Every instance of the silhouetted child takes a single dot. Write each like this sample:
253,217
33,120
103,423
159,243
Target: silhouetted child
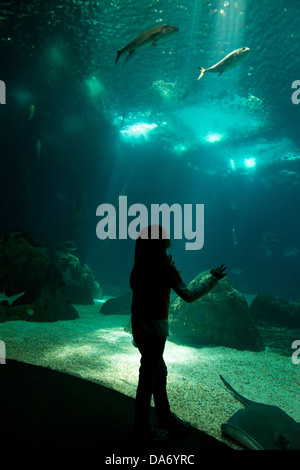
152,278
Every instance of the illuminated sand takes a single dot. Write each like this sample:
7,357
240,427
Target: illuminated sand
95,347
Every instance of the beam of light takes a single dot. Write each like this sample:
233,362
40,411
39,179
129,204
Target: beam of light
140,129
94,86
250,162
179,148
228,34
231,19
213,137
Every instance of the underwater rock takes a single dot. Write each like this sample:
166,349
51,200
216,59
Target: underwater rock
26,267
278,339
81,285
275,310
118,306
220,318
68,246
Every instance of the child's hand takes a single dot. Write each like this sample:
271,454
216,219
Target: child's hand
170,259
219,272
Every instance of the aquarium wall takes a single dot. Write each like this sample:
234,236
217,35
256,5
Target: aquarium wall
79,130
110,122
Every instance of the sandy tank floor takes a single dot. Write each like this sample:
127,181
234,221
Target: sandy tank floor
96,347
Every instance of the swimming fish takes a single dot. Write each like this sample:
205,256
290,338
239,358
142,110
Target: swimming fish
230,61
260,426
236,270
150,37
292,251
38,146
31,112
10,299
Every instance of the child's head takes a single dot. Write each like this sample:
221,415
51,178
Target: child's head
151,244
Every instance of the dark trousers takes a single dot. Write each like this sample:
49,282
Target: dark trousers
152,379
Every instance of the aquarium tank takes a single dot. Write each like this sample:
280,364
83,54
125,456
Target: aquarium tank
119,114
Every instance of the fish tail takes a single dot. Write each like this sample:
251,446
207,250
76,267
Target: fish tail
119,53
240,397
202,70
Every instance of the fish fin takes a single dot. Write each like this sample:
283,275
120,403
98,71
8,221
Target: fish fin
202,70
156,36
220,73
119,53
130,54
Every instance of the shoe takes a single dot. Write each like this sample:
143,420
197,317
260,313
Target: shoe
151,434
158,434
176,425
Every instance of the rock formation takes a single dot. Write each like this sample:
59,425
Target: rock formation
26,268
222,318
